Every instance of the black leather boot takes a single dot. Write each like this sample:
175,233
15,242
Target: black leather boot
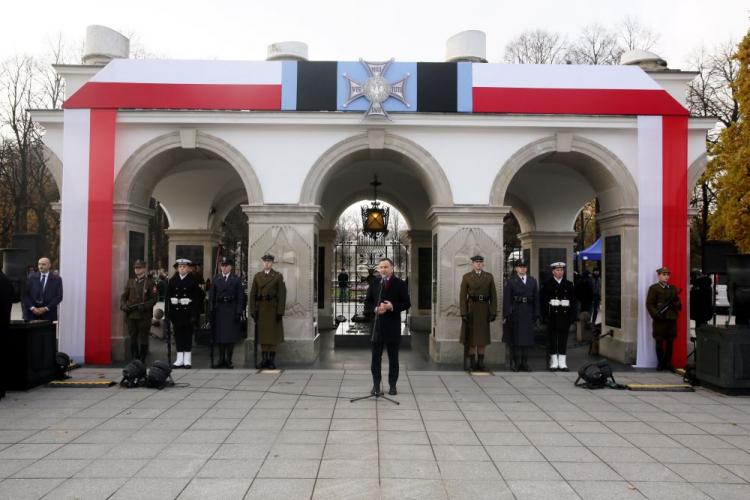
143,354
473,358
264,361
272,360
467,363
480,363
230,352
524,361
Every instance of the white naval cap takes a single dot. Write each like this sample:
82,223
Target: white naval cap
557,264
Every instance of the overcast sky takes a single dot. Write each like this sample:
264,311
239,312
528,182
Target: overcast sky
413,30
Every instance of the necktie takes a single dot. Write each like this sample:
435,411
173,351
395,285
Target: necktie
387,283
44,282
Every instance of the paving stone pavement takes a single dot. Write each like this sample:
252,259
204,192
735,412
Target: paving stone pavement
233,434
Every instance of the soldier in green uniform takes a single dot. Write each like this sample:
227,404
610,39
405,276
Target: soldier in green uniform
663,305
267,305
478,302
137,302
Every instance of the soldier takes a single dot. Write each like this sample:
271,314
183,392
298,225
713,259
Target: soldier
267,305
137,302
663,304
557,299
478,301
184,297
520,312
227,304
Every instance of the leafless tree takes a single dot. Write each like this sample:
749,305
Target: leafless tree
635,36
536,47
595,45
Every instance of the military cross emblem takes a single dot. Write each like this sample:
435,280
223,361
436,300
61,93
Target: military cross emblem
376,88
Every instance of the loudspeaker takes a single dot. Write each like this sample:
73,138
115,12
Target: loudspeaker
715,256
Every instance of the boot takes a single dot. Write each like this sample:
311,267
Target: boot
230,351
143,353
473,362
524,361
467,362
563,364
553,362
180,361
514,363
264,361
480,363
272,360
221,361
188,356
134,351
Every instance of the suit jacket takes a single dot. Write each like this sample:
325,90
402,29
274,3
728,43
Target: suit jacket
49,298
388,325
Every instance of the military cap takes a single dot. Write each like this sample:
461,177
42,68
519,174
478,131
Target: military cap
139,263
663,270
477,258
555,265
268,256
519,263
187,262
226,261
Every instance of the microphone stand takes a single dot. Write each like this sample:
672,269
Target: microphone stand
375,339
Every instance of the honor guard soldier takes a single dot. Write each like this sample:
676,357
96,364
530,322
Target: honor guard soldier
227,304
267,305
558,305
520,314
184,297
137,302
663,304
478,301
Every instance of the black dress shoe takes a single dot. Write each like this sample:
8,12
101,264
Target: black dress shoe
376,391
229,365
392,391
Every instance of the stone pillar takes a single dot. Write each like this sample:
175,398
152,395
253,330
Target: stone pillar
126,217
419,319
287,232
463,231
621,344
538,241
326,239
199,237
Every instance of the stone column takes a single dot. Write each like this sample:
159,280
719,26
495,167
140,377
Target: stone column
621,344
126,217
538,240
419,319
200,237
326,238
463,231
287,232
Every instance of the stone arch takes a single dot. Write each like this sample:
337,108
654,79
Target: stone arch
695,171
626,194
428,169
133,170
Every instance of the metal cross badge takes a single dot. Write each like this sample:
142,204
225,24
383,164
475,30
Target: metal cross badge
376,88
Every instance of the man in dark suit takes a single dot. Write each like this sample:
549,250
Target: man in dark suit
387,297
44,292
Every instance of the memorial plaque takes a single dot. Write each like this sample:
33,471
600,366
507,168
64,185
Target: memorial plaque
612,282
546,257
424,286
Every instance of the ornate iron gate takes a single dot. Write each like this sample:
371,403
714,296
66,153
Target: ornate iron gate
355,267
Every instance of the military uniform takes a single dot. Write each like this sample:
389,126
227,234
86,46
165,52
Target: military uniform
477,299
182,303
557,302
267,306
663,305
227,305
137,302
520,312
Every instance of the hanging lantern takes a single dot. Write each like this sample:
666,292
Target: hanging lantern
375,217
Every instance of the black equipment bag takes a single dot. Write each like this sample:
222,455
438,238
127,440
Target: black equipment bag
596,375
62,363
159,375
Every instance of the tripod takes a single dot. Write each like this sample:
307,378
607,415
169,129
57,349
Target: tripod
375,339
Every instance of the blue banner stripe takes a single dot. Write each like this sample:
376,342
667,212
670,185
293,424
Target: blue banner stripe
463,87
289,86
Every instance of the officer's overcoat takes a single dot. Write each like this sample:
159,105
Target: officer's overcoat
477,298
267,303
520,310
226,299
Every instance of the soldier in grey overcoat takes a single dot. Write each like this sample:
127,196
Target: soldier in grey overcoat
267,305
226,300
477,299
520,314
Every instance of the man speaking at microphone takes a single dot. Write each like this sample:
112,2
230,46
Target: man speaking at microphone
386,297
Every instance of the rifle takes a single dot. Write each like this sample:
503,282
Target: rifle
668,304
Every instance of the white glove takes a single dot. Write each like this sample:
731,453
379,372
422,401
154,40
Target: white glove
185,301
565,302
554,302
174,300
